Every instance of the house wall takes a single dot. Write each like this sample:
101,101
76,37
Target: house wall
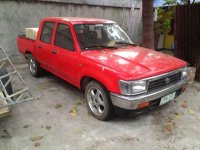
15,16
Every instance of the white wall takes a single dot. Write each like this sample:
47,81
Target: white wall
15,16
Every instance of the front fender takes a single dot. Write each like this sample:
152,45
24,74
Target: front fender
103,75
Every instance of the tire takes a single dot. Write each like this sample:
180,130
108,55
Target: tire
3,72
34,66
98,101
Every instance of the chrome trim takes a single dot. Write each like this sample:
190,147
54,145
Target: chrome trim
147,85
131,102
153,78
164,75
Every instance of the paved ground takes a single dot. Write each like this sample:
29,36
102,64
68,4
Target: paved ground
51,122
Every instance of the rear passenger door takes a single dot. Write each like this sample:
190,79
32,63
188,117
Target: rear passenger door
44,46
66,64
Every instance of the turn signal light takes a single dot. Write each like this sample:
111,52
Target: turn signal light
142,105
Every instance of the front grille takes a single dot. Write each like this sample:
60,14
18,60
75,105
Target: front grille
164,81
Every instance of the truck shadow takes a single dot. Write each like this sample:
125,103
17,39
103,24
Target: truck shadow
62,84
124,115
120,115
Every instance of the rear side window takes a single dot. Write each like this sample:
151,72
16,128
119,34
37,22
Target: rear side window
47,31
63,37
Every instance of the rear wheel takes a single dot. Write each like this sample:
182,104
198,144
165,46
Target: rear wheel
98,101
34,66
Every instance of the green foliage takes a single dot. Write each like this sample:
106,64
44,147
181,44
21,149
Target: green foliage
163,23
178,2
170,2
185,1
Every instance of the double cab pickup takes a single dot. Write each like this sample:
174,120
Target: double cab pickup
98,57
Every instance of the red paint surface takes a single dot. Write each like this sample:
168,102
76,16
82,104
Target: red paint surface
107,66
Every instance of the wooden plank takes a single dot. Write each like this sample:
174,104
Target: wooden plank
3,110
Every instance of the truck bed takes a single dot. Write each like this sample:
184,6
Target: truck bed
25,44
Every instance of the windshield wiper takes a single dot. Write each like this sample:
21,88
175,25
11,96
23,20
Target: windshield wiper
126,43
99,46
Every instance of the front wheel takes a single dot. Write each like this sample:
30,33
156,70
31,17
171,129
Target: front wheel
98,101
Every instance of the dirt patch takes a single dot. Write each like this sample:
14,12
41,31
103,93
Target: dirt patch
37,144
74,111
48,127
119,139
36,138
184,105
26,126
57,106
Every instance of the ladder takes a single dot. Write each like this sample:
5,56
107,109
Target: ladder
20,93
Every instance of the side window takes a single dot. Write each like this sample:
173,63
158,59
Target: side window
47,31
63,37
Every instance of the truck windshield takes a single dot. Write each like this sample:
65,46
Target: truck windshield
97,36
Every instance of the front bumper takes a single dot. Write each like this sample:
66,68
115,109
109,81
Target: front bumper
131,102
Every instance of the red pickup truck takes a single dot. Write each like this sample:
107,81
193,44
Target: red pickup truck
99,58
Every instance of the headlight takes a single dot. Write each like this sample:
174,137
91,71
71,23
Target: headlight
184,72
132,87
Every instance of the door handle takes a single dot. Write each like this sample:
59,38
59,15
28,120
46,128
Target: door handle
54,51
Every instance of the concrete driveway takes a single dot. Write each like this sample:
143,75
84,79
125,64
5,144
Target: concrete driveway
58,120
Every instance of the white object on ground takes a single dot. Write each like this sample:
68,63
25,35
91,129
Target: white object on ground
161,41
192,73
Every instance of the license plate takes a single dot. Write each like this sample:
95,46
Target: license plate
167,98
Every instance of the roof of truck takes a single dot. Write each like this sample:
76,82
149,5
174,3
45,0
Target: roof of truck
78,20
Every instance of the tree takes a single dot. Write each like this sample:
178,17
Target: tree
187,1
170,2
148,24
178,2
163,23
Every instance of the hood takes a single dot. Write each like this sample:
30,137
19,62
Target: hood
135,62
